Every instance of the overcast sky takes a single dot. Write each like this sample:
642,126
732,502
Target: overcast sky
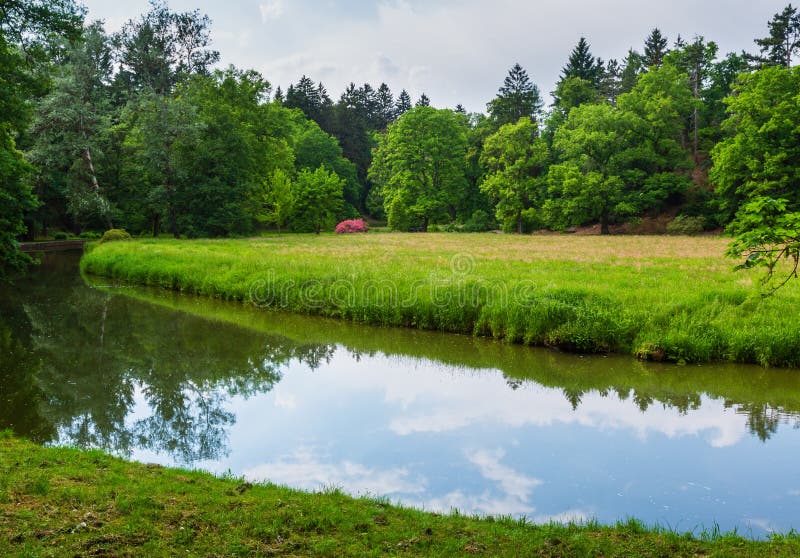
456,51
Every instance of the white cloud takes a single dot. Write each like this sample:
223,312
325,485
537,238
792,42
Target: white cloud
307,470
513,483
271,9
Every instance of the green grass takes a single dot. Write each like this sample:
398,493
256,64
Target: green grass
65,502
660,298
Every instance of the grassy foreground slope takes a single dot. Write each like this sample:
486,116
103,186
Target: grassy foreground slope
65,502
662,298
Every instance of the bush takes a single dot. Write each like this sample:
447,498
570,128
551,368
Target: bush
61,236
480,221
686,225
89,235
114,235
352,226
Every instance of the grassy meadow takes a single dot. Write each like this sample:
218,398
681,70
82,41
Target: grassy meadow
66,502
658,297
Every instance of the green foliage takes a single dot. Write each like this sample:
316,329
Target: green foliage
686,225
318,200
274,199
515,158
420,167
314,148
756,169
71,129
16,199
24,29
594,145
115,235
479,221
768,236
574,91
60,236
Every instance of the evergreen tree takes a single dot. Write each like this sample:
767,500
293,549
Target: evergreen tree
517,97
632,68
278,98
403,104
304,95
611,84
423,101
583,65
783,42
385,102
655,49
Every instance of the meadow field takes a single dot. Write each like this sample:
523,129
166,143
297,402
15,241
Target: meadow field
660,298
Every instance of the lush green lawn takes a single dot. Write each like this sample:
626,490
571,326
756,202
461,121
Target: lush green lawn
64,502
663,298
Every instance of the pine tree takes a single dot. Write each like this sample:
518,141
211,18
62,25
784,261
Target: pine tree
517,97
655,49
611,85
632,68
423,101
582,64
783,42
403,104
385,101
278,98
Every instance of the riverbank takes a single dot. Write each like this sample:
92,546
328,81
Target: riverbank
660,298
66,502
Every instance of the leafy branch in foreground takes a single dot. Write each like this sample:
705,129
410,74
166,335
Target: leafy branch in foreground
769,235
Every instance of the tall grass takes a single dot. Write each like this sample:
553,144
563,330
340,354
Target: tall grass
661,298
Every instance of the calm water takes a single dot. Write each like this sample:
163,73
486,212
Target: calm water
435,421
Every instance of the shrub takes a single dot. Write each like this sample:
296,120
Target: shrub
89,235
60,236
352,226
686,225
115,235
480,221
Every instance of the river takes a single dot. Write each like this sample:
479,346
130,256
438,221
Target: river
429,420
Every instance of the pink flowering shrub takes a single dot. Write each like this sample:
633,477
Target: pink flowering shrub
352,226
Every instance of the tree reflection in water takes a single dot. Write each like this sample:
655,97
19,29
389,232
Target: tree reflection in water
74,360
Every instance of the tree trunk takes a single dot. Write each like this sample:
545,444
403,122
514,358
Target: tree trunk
278,224
156,225
425,225
604,224
87,156
519,222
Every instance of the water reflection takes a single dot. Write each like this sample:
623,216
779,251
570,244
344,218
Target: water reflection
436,421
73,358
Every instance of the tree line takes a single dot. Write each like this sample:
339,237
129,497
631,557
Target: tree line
139,129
